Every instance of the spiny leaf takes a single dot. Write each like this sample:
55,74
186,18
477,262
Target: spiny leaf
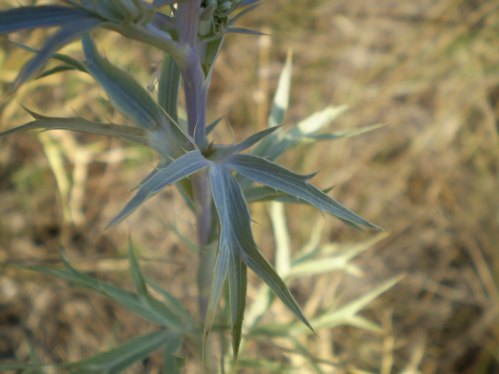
178,169
29,17
221,152
66,59
217,283
212,126
63,36
270,174
128,133
123,356
153,311
135,102
241,30
236,233
123,90
255,193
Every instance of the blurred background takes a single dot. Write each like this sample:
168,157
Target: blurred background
428,70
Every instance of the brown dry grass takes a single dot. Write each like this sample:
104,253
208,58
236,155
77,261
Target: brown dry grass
427,69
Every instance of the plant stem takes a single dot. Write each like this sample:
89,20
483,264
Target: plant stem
187,22
204,225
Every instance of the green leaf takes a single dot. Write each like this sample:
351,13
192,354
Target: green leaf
178,169
55,70
237,297
123,356
28,17
67,60
171,363
241,30
123,90
60,38
222,151
128,133
138,279
168,87
270,174
217,284
212,126
172,303
25,368
152,311
236,235
255,193
136,103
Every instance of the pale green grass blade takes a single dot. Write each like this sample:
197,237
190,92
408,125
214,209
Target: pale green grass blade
330,257
347,315
178,169
275,176
282,238
123,356
131,134
59,39
364,324
281,98
343,133
276,145
168,87
237,298
235,224
154,312
217,284
28,17
278,109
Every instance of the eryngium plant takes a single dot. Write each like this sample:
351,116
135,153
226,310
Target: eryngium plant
216,180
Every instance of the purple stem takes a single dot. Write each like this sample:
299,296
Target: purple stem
187,22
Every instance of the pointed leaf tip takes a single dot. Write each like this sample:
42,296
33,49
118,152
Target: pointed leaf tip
180,168
237,237
263,171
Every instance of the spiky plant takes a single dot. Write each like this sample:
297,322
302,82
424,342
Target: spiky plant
216,180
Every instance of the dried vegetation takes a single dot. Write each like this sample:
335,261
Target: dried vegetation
429,70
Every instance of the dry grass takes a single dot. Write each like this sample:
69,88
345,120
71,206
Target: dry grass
427,69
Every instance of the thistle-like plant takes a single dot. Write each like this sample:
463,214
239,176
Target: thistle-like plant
216,180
